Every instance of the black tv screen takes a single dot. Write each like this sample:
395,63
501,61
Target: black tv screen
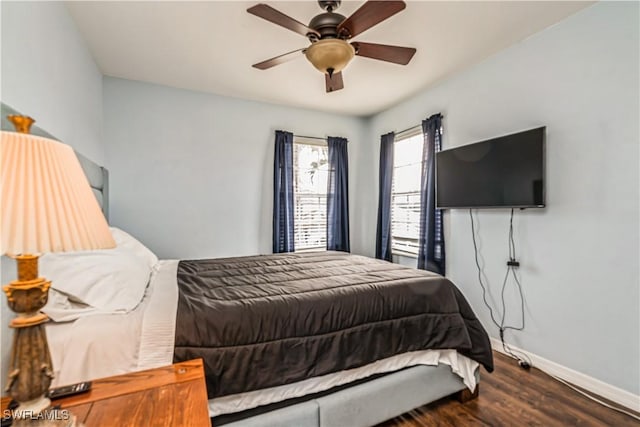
504,172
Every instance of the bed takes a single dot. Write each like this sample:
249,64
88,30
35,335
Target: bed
149,336
375,354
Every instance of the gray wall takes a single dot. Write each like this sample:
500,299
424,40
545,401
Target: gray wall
192,173
579,255
49,74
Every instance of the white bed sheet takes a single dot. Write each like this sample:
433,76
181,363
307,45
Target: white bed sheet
104,345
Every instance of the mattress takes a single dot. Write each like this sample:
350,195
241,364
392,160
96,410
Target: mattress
104,345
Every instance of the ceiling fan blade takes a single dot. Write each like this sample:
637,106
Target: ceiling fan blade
334,82
272,15
277,60
371,13
396,54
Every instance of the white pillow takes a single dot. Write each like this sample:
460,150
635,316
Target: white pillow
60,309
100,281
126,241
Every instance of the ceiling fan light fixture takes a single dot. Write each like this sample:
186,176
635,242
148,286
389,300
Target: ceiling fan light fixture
330,54
329,32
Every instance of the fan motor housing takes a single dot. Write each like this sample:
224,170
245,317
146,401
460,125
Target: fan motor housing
327,24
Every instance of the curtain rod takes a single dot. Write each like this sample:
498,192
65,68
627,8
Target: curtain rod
313,137
415,126
406,130
310,137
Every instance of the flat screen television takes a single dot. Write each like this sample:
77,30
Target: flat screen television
503,172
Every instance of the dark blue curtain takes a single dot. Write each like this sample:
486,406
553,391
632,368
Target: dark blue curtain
283,193
383,232
431,252
338,196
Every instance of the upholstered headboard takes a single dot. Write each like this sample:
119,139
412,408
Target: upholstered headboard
97,175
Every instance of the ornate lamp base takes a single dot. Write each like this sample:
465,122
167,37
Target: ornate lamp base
30,370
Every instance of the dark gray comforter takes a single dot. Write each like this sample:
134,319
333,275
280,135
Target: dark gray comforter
270,320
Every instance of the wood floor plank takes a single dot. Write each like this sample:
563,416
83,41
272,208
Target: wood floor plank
553,395
511,396
553,398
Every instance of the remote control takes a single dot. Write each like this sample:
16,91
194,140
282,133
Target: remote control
69,390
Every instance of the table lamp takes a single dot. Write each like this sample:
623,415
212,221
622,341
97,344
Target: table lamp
47,205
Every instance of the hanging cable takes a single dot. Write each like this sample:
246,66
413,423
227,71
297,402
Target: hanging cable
523,359
484,290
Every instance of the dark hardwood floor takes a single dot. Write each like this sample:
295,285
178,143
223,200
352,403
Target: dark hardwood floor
511,396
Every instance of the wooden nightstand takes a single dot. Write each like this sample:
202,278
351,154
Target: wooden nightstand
173,395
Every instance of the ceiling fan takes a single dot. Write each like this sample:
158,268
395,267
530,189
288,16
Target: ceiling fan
329,33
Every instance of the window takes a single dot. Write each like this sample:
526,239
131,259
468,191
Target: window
405,192
310,174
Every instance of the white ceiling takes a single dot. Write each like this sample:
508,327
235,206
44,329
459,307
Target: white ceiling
210,46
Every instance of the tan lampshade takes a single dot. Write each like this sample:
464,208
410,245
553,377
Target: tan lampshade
47,204
332,54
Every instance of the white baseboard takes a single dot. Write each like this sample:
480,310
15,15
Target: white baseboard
615,394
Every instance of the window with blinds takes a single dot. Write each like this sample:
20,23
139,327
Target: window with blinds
405,192
310,174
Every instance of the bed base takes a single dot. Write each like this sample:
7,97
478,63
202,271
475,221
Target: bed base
365,404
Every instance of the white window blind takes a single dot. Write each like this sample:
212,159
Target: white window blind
310,174
405,193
